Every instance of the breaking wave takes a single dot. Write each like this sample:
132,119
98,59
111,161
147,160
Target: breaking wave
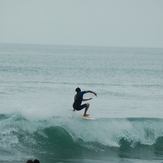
64,137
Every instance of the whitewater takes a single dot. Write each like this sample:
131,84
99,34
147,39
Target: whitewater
37,88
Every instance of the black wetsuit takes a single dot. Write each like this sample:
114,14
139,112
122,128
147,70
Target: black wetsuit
78,100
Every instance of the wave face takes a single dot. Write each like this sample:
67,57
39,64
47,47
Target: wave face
73,137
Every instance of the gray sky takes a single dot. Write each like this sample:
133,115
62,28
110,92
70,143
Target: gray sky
129,23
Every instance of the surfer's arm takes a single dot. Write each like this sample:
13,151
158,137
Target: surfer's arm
87,99
91,92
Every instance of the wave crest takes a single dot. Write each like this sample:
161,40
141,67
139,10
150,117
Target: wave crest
67,136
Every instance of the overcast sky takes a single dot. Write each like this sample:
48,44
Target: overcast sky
129,23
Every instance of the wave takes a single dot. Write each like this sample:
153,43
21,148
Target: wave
70,136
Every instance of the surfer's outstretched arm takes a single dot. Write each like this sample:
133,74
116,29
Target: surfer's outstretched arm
87,99
91,92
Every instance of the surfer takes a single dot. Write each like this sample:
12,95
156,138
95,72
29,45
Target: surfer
78,100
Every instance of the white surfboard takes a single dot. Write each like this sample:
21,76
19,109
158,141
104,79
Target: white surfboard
88,118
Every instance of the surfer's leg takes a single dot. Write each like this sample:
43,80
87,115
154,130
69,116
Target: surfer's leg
86,109
86,106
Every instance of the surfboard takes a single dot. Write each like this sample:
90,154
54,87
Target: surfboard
87,118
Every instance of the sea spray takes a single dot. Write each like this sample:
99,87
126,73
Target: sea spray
59,135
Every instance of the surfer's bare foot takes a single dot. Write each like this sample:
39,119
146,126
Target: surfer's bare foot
85,115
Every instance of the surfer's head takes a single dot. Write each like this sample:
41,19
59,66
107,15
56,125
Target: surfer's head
78,90
36,161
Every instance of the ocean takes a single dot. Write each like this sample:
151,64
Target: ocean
37,88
